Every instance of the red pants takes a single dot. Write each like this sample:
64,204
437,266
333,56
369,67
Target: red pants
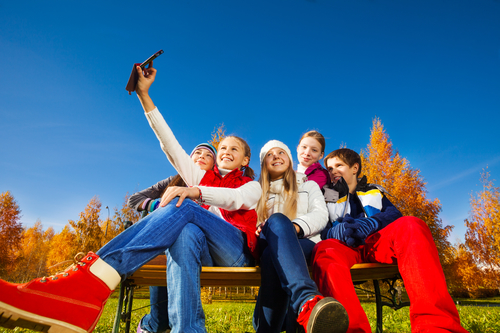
407,242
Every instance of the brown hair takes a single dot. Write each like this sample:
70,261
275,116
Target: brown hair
315,135
348,156
247,171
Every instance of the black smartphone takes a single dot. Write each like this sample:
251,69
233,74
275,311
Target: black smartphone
132,81
154,56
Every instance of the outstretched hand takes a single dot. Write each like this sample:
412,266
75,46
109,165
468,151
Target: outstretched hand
146,78
181,192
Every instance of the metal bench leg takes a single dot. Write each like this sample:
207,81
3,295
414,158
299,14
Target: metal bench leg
128,314
124,307
118,317
378,302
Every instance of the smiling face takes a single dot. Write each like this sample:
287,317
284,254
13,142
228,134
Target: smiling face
203,158
309,151
338,168
277,162
231,154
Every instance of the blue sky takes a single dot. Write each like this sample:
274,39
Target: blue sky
430,70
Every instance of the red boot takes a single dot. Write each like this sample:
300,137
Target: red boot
323,315
71,301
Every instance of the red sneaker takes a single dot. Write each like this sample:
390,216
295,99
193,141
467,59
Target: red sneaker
71,301
323,315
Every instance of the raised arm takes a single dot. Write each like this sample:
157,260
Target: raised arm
180,160
145,81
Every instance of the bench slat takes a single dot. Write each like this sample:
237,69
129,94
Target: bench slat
153,274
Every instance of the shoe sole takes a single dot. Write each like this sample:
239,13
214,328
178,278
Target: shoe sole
328,316
11,317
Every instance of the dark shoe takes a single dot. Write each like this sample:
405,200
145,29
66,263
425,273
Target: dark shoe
323,315
142,330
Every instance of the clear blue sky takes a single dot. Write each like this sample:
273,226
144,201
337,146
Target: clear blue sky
273,69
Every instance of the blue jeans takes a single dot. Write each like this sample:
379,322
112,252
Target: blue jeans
285,281
158,231
184,260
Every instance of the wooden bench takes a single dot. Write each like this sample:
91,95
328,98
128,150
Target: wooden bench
153,274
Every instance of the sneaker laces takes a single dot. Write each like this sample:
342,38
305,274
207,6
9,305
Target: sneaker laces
74,267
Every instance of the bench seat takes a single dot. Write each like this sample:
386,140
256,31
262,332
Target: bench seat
153,274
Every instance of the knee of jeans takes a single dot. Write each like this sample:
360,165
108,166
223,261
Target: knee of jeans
191,234
278,221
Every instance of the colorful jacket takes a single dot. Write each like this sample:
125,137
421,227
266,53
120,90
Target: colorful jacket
368,201
317,173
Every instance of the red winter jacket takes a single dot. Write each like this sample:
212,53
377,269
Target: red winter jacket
243,219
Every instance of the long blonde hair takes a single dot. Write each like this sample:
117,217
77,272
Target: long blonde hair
290,193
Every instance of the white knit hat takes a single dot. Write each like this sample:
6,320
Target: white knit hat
274,144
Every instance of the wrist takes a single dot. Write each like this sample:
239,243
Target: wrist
198,195
146,101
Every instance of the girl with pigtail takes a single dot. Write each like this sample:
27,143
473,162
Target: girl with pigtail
292,213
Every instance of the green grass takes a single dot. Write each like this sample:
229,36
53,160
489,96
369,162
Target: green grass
237,317
486,300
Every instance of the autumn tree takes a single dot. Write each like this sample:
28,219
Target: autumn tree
464,273
483,230
116,225
386,167
33,252
89,235
10,231
63,247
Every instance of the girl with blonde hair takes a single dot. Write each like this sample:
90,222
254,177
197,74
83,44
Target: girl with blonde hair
291,212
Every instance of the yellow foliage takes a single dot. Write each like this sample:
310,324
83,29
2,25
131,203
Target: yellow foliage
115,225
483,228
465,275
63,247
88,233
32,254
10,231
217,135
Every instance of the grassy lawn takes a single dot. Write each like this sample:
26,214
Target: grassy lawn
237,317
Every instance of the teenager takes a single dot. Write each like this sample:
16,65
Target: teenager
291,212
310,151
368,228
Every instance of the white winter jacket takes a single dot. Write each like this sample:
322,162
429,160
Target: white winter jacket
312,214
